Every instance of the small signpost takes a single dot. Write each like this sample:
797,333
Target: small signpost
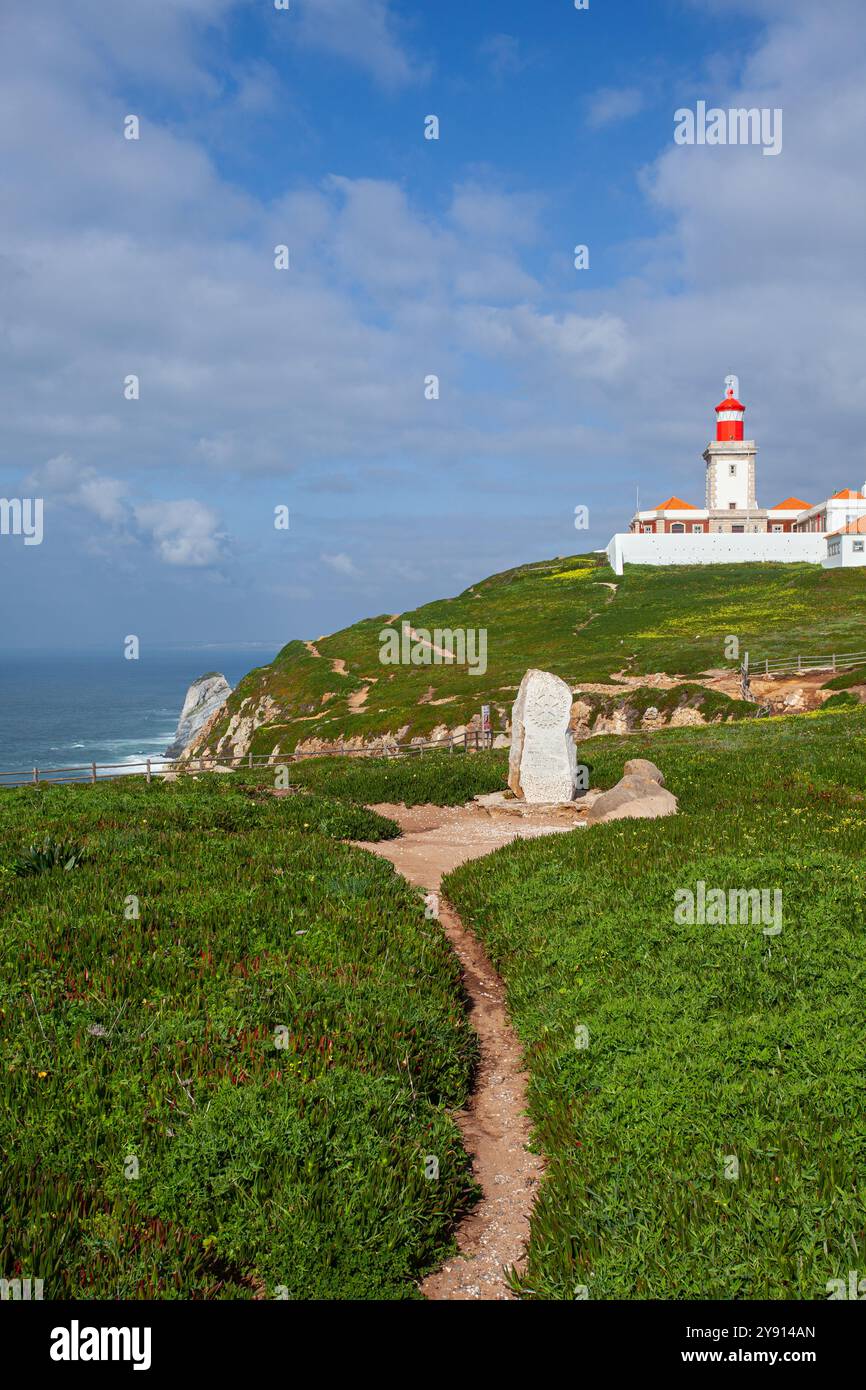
485,724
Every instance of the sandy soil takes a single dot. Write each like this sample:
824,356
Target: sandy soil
792,692
494,1125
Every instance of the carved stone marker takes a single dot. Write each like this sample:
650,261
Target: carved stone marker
542,766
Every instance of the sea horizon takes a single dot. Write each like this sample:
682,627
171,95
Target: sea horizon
72,707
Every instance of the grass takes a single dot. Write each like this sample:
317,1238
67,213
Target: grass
705,1042
570,615
846,679
228,1044
443,778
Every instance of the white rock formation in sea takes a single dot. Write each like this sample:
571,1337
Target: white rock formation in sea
204,697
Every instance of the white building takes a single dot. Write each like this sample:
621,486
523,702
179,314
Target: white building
848,546
836,513
731,527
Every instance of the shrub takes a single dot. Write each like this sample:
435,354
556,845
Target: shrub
48,854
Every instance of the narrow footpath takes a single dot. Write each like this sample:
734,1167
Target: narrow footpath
495,1127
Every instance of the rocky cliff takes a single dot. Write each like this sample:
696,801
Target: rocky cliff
204,697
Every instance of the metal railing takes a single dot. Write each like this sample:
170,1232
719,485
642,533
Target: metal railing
470,741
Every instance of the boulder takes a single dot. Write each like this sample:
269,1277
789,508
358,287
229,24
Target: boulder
642,767
634,797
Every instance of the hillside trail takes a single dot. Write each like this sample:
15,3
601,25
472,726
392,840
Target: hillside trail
494,1124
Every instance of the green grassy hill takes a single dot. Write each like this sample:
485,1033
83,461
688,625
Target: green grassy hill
568,615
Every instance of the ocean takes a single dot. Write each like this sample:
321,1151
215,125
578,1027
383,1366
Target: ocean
65,709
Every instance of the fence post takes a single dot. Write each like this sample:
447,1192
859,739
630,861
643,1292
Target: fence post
251,757
36,774
147,773
745,692
93,773
767,667
799,663
834,661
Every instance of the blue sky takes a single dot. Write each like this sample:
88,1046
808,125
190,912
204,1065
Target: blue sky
409,257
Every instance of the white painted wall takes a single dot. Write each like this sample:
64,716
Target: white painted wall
732,489
839,511
843,511
716,548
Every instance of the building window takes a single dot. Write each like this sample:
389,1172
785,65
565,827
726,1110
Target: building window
677,526
732,470
732,506
697,526
777,527
647,530
858,547
737,528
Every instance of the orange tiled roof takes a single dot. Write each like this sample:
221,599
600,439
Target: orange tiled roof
846,494
791,504
675,504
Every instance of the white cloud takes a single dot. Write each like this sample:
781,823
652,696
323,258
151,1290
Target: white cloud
185,532
341,564
362,32
64,479
503,55
612,104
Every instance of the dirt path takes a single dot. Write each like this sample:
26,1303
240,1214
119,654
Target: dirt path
338,665
494,1125
425,642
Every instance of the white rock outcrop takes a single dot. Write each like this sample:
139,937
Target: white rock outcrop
204,697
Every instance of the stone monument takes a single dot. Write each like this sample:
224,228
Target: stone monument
542,766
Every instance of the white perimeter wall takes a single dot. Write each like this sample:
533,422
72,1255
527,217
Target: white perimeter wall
716,548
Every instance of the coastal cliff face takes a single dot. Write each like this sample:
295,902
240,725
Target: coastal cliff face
204,698
228,733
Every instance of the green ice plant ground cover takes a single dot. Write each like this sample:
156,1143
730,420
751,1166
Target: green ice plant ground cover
228,1046
666,1058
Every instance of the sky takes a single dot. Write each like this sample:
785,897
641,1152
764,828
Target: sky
408,258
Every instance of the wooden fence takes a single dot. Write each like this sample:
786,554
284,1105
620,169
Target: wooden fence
800,665
471,741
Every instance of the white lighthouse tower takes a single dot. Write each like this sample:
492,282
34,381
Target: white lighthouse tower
730,460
